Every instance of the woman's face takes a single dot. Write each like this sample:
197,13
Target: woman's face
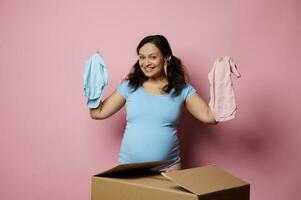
151,60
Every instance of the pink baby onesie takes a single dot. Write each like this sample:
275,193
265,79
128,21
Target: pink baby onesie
222,97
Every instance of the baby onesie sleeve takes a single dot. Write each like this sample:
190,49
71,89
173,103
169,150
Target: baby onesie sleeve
187,91
124,88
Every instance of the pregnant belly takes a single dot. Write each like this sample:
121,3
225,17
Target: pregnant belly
151,145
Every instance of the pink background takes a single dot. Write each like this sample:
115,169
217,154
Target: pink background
49,146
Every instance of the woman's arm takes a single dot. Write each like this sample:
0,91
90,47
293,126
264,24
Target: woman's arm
199,109
108,107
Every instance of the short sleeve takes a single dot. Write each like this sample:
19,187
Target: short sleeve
187,91
124,89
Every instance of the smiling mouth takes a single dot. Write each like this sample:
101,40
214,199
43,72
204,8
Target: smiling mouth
149,69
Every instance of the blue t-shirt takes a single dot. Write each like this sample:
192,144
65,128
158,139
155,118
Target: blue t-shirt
151,129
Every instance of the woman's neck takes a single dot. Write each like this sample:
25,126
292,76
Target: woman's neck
159,79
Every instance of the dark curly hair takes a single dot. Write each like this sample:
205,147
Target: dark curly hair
175,69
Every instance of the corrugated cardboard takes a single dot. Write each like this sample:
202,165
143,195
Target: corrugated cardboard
139,182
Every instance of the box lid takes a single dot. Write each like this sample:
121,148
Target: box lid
133,167
204,180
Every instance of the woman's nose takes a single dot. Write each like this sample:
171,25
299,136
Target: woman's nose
146,61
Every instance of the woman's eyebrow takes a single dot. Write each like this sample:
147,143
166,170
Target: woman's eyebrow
140,54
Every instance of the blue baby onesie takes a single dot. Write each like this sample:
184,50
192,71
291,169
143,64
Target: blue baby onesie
95,79
151,129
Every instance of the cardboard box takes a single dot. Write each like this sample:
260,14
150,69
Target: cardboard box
139,182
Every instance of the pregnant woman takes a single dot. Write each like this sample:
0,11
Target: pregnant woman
154,93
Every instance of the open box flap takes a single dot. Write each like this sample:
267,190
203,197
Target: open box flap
133,167
204,180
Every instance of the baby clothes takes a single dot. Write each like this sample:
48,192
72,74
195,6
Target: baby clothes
222,97
95,79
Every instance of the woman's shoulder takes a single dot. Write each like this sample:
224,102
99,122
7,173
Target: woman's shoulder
124,81
124,84
187,91
124,88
